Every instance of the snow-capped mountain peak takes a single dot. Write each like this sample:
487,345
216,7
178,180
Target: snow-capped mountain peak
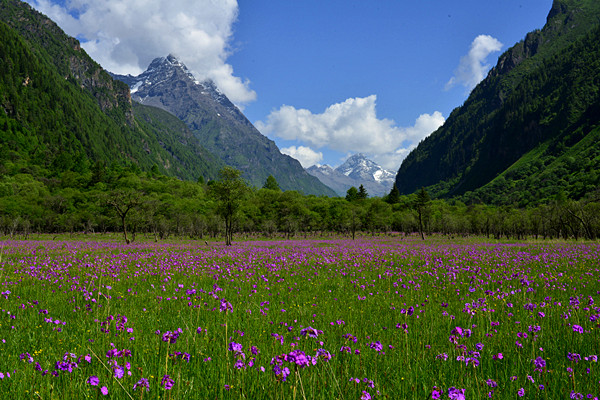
360,167
355,171
324,169
166,72
159,70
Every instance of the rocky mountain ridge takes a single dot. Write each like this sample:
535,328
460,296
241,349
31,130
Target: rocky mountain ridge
359,167
355,171
219,125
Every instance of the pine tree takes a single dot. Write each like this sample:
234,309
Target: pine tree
271,184
394,196
362,193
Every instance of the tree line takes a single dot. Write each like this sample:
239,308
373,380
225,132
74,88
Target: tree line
126,200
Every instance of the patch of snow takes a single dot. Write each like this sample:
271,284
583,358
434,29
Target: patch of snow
136,86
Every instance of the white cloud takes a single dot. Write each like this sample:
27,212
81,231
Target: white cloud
125,36
472,67
307,156
351,126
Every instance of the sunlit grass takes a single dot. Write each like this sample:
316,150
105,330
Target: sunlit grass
359,294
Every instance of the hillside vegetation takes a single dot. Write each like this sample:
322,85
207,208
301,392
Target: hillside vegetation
529,130
61,112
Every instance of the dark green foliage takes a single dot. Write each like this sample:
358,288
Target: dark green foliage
352,194
120,199
173,136
537,105
59,111
362,193
421,206
394,196
271,184
228,191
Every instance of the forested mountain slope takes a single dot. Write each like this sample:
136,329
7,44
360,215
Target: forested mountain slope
526,132
60,111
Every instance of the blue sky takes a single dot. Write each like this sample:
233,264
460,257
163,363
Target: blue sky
324,79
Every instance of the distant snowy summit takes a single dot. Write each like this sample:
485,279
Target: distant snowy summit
360,167
355,171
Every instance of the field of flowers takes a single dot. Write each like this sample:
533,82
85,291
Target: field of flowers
382,318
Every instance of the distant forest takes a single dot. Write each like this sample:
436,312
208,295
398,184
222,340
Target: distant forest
125,199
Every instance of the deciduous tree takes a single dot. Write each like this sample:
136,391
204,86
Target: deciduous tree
229,191
422,208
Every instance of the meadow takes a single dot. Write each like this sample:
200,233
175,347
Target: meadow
377,318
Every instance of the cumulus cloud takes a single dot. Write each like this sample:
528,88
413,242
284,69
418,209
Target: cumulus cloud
351,126
472,67
307,156
125,36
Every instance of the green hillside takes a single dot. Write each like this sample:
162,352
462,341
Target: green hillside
521,136
60,111
174,136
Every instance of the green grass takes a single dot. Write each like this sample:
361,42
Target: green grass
342,288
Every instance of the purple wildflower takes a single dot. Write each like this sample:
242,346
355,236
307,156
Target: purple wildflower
118,371
540,363
324,354
142,383
166,382
456,394
574,357
281,373
311,332
239,364
93,380
376,345
235,347
457,331
225,306
171,337
299,358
